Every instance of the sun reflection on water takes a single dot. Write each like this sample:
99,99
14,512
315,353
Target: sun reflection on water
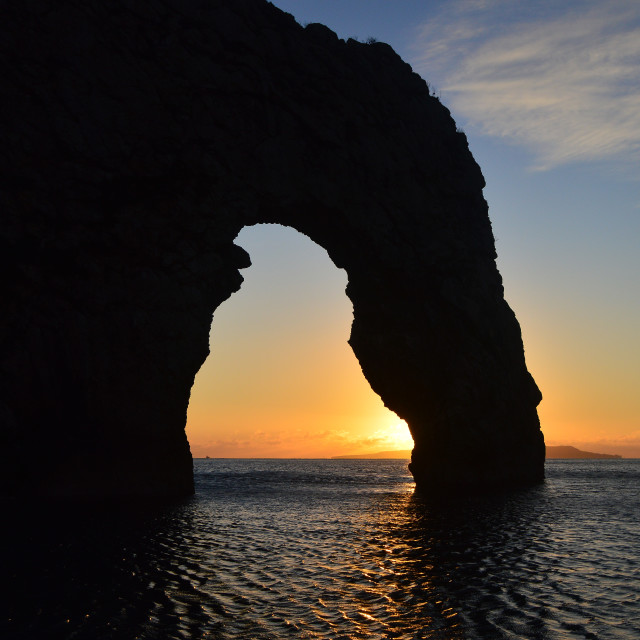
334,549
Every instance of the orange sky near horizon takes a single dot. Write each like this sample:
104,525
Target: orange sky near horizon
281,380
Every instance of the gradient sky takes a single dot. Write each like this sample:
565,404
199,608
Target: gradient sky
548,94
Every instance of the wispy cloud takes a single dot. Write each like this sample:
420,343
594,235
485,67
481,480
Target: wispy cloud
561,79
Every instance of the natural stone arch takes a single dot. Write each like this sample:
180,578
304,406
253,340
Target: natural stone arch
141,138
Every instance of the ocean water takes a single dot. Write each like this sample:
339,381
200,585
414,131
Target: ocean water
333,549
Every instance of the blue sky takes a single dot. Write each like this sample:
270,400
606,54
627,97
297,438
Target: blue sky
548,94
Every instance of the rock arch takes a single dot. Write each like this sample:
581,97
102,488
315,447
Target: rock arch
140,137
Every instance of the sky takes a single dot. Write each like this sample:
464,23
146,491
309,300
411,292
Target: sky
548,95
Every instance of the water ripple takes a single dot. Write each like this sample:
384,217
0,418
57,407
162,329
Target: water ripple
335,549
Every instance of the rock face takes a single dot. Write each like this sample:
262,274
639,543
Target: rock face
138,138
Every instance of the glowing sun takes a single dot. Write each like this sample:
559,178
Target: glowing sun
394,437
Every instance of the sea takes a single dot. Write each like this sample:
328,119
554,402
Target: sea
333,549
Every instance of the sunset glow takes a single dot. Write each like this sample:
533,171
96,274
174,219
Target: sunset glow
281,380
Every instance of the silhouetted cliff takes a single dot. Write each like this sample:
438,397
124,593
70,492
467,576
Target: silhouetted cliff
138,138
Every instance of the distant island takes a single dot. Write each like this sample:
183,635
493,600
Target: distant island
572,452
553,453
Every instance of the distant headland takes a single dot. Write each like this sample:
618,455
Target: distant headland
553,453
572,452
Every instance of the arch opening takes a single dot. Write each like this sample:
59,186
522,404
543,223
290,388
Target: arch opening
281,380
